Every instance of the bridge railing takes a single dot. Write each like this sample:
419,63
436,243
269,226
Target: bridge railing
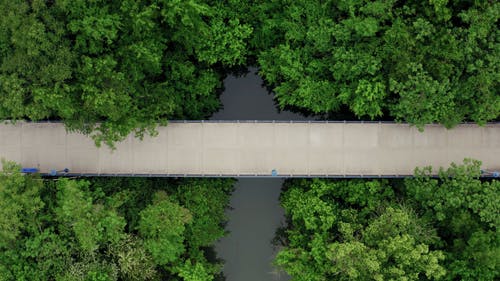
226,175
282,176
313,121
270,121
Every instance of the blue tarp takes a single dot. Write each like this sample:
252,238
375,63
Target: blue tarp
29,170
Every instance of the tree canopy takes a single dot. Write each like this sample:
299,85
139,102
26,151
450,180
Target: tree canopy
111,68
422,228
415,61
109,229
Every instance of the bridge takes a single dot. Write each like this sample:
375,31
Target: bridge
255,148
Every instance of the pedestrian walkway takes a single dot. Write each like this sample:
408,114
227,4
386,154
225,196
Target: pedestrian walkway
247,148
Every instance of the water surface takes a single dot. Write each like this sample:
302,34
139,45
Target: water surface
246,98
256,214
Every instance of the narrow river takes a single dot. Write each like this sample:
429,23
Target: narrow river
256,213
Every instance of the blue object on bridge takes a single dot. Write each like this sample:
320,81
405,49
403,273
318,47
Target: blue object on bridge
274,173
496,174
29,170
54,172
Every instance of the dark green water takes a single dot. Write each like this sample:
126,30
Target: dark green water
256,214
246,98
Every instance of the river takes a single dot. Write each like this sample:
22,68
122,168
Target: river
255,212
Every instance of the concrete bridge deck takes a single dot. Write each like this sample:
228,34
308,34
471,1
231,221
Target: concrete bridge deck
243,148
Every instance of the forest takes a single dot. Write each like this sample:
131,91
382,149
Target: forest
131,229
104,229
420,228
110,68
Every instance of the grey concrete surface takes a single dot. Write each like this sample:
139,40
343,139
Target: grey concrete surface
247,148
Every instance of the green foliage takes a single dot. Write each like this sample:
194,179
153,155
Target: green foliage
111,68
89,270
353,230
162,225
35,61
92,224
206,200
20,204
109,229
195,272
466,211
29,248
424,228
419,61
133,260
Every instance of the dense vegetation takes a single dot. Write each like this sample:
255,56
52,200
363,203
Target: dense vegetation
109,228
418,61
111,67
108,68
421,228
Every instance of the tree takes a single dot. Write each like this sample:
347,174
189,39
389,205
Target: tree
196,272
420,228
92,224
418,61
109,69
465,211
354,230
162,227
206,200
66,229
20,204
36,62
30,249
133,260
